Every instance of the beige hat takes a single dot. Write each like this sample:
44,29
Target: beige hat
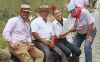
43,7
24,7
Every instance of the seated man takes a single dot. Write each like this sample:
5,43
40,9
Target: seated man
43,33
17,35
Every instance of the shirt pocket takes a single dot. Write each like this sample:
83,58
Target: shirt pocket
83,22
50,29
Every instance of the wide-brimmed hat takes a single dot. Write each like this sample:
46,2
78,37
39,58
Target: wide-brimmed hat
43,7
24,7
71,6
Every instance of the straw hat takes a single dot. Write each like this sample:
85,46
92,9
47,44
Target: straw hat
43,7
24,7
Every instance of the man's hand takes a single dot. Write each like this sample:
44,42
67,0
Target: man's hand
14,45
89,38
51,44
72,29
79,27
46,42
31,46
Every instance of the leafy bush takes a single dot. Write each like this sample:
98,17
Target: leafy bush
3,44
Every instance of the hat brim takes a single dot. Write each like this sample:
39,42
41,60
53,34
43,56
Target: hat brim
27,10
23,10
17,11
39,9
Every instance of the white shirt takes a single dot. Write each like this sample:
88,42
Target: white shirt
16,30
43,29
84,20
80,3
58,28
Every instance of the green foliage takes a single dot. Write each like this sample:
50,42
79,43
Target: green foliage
65,13
3,44
2,24
8,8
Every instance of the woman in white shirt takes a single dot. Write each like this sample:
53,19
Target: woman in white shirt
62,42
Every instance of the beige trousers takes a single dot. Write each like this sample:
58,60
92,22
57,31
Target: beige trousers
26,55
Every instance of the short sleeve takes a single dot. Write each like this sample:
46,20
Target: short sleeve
88,16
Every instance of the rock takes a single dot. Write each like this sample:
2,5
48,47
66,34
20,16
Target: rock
13,58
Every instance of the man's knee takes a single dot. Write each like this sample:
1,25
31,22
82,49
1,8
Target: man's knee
41,54
87,45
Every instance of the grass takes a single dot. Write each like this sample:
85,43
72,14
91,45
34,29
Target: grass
3,44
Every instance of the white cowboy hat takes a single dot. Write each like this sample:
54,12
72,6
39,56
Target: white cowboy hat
43,7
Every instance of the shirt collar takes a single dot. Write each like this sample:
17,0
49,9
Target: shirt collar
42,18
56,21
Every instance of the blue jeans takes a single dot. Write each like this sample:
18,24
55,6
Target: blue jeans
79,38
68,48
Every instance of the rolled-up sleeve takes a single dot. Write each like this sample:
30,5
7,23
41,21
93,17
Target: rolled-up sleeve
88,16
8,30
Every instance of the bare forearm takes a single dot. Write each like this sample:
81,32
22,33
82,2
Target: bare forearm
63,34
52,38
90,29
